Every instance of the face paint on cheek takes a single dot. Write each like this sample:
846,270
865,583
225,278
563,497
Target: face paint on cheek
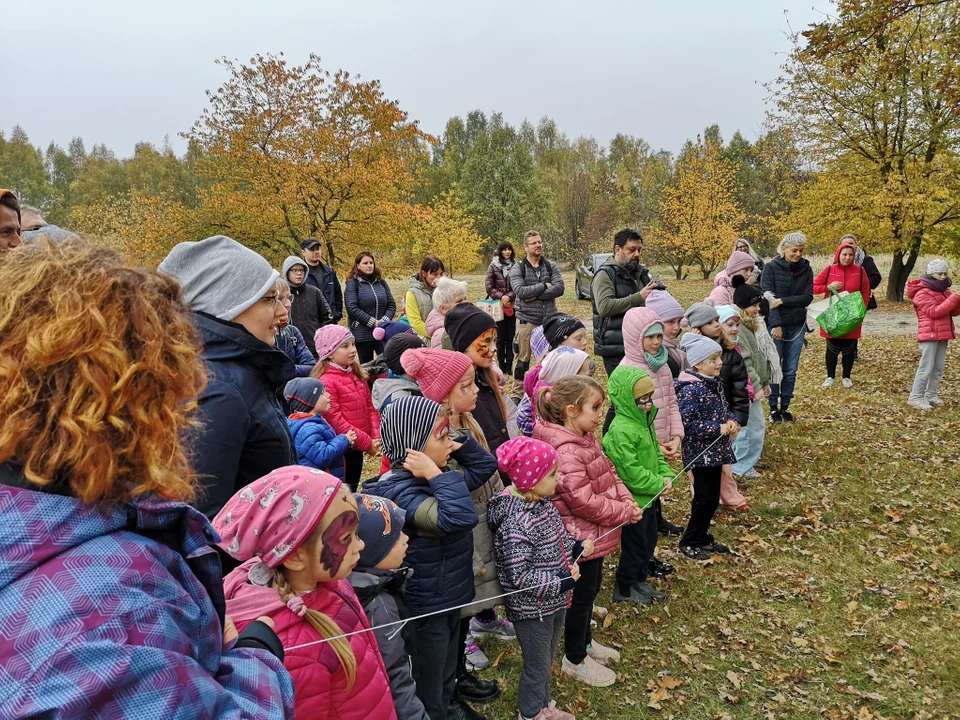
485,344
334,547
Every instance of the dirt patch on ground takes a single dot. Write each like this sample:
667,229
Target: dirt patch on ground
890,323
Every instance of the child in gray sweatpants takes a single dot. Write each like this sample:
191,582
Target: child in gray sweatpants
534,551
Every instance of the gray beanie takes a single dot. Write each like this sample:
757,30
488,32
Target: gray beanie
937,266
219,276
699,314
698,348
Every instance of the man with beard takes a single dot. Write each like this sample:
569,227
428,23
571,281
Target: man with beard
620,284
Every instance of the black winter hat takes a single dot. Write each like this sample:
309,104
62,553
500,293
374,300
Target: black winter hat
745,294
558,327
464,323
397,346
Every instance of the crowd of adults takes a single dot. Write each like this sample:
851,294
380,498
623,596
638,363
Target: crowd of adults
103,365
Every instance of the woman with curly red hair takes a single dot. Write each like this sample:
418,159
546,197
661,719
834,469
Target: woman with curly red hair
112,594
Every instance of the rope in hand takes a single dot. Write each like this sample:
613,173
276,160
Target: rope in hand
403,622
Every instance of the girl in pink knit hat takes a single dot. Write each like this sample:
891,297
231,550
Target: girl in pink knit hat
351,406
295,532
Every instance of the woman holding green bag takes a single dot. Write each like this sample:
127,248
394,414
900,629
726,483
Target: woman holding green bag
843,274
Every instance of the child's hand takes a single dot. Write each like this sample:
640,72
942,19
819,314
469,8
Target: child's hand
667,484
352,437
730,427
421,465
587,547
374,447
575,571
637,514
230,629
767,390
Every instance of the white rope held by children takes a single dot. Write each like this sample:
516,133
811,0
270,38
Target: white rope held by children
403,622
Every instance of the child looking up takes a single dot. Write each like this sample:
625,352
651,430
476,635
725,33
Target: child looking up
351,407
295,532
592,502
707,424
440,517
936,307
633,447
378,581
318,444
534,551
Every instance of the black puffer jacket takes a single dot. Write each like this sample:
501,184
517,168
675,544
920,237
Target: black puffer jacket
793,284
733,378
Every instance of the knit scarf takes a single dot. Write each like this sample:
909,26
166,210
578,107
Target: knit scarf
345,368
934,284
656,361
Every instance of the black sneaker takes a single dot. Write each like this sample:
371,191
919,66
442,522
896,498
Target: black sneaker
659,568
460,710
715,547
786,416
668,528
472,688
694,553
775,417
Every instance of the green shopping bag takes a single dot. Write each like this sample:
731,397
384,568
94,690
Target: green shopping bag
843,316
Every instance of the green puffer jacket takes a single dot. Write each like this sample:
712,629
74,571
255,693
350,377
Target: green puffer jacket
631,443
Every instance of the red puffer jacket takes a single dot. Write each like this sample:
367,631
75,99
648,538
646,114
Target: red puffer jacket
351,407
590,497
935,312
854,279
319,681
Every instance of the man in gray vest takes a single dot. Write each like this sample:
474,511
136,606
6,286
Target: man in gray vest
620,284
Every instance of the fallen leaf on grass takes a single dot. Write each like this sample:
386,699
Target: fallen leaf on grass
734,679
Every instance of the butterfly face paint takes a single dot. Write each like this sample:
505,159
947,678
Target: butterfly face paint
340,542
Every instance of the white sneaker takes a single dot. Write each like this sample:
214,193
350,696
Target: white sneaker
847,383
602,654
934,401
475,658
589,672
920,404
828,382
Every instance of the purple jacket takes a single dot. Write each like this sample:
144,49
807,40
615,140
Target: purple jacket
118,612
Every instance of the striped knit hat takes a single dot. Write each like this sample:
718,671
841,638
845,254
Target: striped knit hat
406,425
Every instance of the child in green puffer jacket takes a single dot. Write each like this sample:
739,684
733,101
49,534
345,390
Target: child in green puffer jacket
631,444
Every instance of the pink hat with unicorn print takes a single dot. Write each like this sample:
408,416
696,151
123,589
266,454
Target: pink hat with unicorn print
274,515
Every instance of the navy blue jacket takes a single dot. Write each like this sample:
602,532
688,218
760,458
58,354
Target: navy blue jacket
291,343
326,281
244,433
318,445
792,283
441,537
367,301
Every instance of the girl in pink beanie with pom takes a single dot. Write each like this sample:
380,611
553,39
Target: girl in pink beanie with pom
534,552
295,532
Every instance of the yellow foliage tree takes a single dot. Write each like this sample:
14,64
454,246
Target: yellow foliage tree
699,213
290,152
442,229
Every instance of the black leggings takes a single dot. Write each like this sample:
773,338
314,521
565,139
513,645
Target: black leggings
353,460
577,635
848,348
506,329
367,348
706,500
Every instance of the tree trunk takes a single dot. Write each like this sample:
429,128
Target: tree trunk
899,272
678,271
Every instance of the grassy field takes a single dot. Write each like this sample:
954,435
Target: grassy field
842,597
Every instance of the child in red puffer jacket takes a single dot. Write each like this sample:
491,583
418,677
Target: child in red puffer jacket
936,307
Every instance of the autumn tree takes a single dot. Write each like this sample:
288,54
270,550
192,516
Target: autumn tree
700,215
873,97
441,228
300,152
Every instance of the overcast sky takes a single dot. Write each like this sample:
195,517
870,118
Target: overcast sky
122,71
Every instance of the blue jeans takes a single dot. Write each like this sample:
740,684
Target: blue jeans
749,443
789,349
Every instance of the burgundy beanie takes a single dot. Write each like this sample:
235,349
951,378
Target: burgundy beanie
436,371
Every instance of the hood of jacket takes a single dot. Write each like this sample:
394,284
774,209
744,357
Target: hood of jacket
506,505
913,287
794,268
689,377
635,323
417,284
289,263
225,341
530,382
836,255
620,387
384,388
434,321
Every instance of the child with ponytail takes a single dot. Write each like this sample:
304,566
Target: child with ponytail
592,501
295,532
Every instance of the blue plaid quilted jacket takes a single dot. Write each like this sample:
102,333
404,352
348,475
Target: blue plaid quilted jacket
117,613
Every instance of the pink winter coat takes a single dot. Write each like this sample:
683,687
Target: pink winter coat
935,312
590,497
722,293
434,325
318,679
667,422
351,407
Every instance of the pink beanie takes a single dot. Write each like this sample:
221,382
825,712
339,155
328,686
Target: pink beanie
273,516
526,461
328,338
436,371
664,305
738,261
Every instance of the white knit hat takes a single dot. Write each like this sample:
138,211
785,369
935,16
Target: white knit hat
937,266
